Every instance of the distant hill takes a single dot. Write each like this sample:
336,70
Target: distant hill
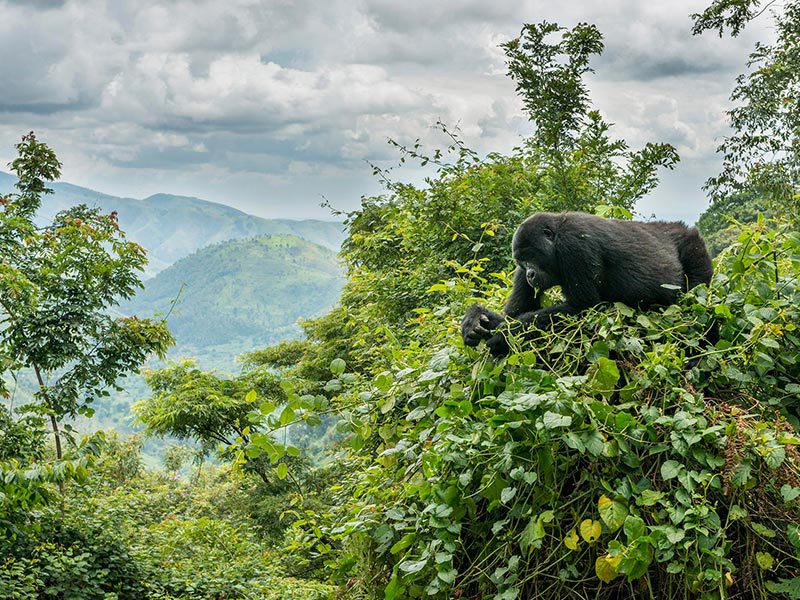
171,227
241,295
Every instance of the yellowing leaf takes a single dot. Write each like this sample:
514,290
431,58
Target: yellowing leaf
606,567
571,540
250,397
613,512
590,530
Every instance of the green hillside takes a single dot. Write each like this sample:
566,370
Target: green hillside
238,296
241,295
171,227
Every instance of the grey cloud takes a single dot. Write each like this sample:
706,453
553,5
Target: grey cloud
645,68
405,16
39,4
268,104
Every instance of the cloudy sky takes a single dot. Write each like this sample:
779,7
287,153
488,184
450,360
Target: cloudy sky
269,105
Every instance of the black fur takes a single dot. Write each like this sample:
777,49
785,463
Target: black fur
594,260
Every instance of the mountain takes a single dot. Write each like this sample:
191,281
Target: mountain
241,295
171,227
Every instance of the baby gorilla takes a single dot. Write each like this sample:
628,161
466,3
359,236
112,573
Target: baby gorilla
594,260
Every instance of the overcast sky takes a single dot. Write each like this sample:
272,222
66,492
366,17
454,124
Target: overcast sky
270,105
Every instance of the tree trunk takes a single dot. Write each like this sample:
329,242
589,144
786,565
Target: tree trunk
53,421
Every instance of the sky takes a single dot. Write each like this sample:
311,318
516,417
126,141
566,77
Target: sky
273,106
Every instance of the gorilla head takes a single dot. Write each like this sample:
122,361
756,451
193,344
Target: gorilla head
534,250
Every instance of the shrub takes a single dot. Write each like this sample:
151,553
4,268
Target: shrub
622,455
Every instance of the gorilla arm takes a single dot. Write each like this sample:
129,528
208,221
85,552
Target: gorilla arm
479,323
579,273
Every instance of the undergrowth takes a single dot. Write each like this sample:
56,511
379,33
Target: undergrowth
627,454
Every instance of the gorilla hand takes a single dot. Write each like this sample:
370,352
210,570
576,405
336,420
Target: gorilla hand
498,344
478,324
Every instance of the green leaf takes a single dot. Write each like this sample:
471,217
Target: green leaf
412,566
670,469
649,498
534,532
765,560
775,456
383,382
507,494
553,420
605,375
594,442
737,513
634,528
624,309
448,576
613,512
287,415
789,492
250,397
282,470
252,451
574,441
338,366
394,589
763,530
403,543
793,533
741,474
788,587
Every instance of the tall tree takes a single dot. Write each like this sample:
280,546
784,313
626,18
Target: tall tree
59,285
762,156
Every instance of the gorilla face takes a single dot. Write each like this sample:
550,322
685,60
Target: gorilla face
533,248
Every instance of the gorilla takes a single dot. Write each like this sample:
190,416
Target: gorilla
594,260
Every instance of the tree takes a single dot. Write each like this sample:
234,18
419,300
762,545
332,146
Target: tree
571,140
402,244
762,156
59,285
720,224
246,419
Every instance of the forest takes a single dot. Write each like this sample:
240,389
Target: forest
625,453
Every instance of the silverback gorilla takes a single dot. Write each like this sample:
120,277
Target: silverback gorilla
594,260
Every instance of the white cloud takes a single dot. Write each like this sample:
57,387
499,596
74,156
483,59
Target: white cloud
267,105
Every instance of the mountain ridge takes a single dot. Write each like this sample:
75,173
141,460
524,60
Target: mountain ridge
171,226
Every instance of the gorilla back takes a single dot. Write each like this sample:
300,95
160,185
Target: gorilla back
622,261
594,260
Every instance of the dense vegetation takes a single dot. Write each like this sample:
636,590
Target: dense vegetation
124,532
220,302
626,454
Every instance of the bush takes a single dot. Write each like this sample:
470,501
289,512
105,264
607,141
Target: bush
622,455
130,534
